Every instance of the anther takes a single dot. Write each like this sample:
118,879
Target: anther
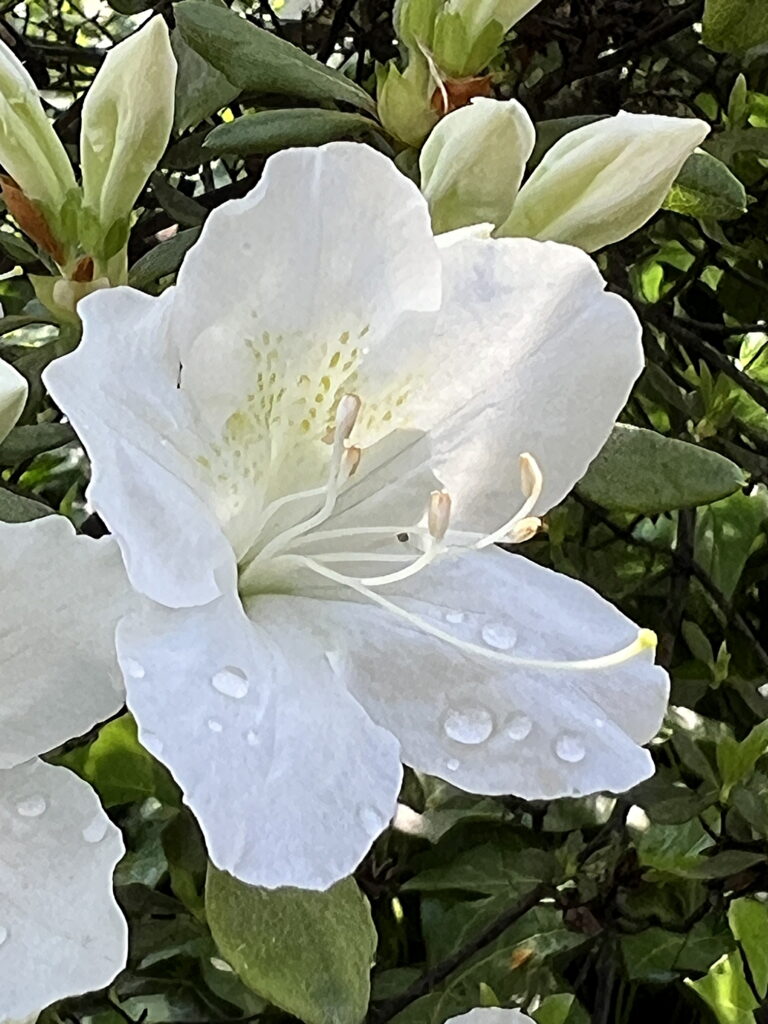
350,460
346,416
531,479
524,530
439,514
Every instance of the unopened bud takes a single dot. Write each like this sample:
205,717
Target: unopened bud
439,514
603,181
127,120
473,162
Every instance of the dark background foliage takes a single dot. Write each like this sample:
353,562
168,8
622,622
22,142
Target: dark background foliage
595,909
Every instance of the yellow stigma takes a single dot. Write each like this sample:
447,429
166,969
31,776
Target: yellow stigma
646,638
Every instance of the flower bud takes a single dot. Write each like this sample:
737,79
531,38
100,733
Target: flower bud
473,162
127,120
404,100
461,35
13,395
36,162
601,182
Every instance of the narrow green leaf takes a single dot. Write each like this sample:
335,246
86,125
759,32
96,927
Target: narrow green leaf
258,61
164,259
307,952
639,470
201,89
271,130
726,533
736,761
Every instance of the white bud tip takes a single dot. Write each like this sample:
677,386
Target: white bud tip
439,514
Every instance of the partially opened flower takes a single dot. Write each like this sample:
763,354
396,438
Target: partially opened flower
307,451
61,931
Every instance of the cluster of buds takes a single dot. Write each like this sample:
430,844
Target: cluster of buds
449,43
594,186
126,123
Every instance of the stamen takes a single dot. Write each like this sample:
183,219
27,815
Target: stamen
524,530
531,482
645,639
347,412
438,514
350,460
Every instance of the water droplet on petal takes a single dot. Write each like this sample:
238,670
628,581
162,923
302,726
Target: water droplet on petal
468,725
252,738
370,819
499,635
31,807
599,723
454,617
231,681
570,747
215,725
3,934
452,764
133,668
518,726
96,831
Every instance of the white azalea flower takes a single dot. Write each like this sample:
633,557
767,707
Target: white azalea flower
61,931
307,450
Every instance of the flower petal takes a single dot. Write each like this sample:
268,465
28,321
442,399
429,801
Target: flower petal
61,601
289,778
530,355
482,724
492,1015
61,931
213,408
119,389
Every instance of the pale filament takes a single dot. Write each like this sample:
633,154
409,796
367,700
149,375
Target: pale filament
436,538
645,639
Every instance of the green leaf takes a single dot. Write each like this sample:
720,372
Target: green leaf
562,1008
269,131
201,89
163,260
26,442
121,770
734,26
748,919
493,868
706,188
652,954
307,952
16,508
736,761
639,470
725,535
255,60
726,991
